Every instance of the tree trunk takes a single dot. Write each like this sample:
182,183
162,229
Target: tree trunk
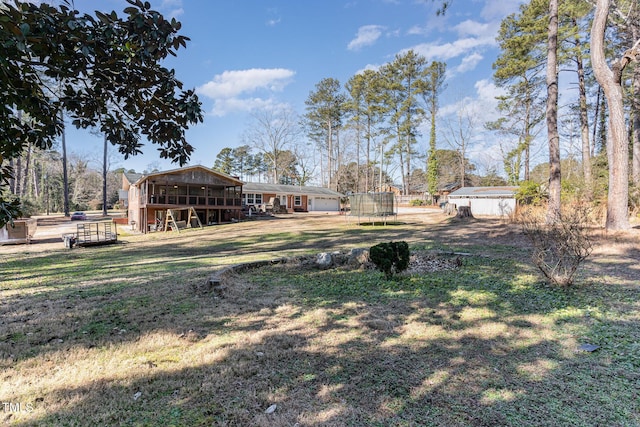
617,144
584,119
595,122
553,209
368,168
527,136
635,162
65,176
464,212
329,154
104,178
26,188
18,170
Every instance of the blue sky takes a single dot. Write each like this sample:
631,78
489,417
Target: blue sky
253,54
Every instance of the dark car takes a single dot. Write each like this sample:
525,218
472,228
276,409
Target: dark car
78,216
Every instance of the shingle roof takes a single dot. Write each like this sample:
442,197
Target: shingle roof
148,175
132,177
505,191
296,190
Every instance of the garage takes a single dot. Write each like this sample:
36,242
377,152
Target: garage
324,204
487,201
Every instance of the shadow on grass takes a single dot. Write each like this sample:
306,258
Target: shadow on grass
481,346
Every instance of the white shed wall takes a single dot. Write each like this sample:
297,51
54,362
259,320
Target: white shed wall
486,206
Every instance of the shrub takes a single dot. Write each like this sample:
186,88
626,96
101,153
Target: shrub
530,193
558,248
390,258
416,202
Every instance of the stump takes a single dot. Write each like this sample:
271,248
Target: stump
464,212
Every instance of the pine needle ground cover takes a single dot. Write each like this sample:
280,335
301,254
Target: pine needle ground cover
119,335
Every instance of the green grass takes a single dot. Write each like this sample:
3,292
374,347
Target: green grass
83,331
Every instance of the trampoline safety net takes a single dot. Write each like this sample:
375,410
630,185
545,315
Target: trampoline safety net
372,204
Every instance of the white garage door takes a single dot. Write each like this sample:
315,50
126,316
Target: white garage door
324,204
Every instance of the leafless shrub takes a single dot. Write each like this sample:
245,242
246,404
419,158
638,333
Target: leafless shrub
560,247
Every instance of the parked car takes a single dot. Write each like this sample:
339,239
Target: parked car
78,216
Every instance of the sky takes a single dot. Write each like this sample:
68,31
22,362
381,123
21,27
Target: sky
248,55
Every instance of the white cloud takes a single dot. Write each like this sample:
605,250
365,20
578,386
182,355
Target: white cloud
442,52
498,9
275,17
373,67
475,28
418,30
469,62
222,107
230,90
173,7
367,36
233,83
483,105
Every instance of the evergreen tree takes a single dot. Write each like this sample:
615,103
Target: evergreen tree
434,85
224,161
326,109
406,82
518,69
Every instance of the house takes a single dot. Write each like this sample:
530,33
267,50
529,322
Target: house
216,197
293,198
128,178
491,201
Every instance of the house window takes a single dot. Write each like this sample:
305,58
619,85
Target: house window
297,200
252,199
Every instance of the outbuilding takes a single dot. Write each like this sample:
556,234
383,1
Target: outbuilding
487,201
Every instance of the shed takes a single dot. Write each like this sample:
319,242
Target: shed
21,231
488,201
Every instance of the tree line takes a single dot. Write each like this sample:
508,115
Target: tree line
353,137
366,131
546,39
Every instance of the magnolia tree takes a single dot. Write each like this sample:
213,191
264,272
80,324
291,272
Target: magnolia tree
102,71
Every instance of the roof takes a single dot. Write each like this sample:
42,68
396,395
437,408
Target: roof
449,187
132,176
206,169
295,190
505,191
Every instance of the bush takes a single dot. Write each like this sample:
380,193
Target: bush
416,202
558,248
390,258
530,193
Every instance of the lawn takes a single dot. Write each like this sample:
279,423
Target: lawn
126,335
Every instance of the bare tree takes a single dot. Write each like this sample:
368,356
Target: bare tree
272,132
458,136
306,161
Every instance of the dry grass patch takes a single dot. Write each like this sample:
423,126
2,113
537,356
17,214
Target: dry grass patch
94,337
